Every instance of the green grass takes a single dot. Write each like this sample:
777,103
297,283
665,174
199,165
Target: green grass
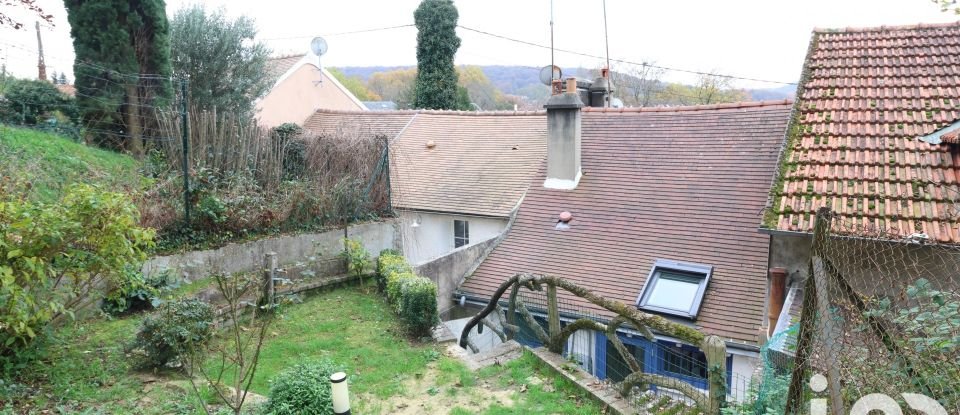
50,162
86,369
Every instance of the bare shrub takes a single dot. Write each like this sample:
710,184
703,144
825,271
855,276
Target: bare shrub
247,179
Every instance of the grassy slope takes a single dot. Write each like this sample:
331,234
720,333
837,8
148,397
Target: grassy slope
50,162
86,370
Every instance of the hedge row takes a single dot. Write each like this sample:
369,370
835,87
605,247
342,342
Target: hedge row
413,298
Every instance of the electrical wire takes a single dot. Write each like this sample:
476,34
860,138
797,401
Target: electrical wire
667,68
376,29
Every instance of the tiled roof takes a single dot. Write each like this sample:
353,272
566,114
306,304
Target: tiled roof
866,97
379,123
481,163
685,185
277,66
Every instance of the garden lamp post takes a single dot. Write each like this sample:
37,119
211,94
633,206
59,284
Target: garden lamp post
340,394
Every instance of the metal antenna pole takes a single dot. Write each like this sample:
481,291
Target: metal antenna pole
185,130
606,40
552,65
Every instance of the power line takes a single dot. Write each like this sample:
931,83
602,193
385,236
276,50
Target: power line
528,43
376,29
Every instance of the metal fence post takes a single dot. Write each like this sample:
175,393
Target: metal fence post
269,273
185,132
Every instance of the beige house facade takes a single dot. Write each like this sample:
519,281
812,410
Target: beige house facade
301,88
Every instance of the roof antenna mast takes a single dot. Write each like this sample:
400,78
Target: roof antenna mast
606,40
41,66
554,82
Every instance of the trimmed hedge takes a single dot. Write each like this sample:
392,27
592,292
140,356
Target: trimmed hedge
413,298
389,265
418,305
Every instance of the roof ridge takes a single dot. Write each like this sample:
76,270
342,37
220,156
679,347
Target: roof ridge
705,107
287,56
431,112
885,28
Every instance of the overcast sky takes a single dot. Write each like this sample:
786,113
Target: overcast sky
763,39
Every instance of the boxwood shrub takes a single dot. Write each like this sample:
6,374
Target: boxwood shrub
302,389
412,297
418,305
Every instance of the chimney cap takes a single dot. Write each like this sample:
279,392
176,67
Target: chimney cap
568,100
431,144
565,216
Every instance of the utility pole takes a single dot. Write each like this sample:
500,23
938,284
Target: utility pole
185,130
41,66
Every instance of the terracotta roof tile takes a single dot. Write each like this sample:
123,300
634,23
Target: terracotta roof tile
481,163
867,95
686,184
379,123
279,65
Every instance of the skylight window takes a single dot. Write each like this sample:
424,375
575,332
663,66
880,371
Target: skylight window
675,288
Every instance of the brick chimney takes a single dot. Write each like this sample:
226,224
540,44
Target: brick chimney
563,138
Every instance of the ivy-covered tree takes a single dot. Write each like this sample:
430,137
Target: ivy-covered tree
226,67
122,68
437,44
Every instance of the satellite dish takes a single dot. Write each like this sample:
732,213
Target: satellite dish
545,74
318,46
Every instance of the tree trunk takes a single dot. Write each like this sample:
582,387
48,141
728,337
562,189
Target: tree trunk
134,128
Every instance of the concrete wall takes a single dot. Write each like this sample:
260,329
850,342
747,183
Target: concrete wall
291,250
434,237
791,252
295,98
449,271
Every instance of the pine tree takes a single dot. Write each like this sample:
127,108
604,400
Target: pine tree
122,67
62,80
437,44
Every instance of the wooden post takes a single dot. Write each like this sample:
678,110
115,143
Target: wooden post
269,272
553,315
716,351
827,327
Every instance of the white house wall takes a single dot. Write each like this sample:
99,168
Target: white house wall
434,237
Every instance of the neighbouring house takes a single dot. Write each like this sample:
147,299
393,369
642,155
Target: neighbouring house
455,177
656,208
874,139
300,88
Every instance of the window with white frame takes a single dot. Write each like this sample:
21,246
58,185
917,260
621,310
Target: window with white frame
461,233
675,288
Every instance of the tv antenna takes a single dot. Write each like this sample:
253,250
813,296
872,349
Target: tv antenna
547,76
319,47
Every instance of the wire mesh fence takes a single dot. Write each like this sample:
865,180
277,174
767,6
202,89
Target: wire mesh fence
880,316
593,352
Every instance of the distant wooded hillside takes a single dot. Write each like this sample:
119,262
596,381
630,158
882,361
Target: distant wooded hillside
633,87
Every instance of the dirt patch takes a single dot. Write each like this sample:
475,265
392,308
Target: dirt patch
422,395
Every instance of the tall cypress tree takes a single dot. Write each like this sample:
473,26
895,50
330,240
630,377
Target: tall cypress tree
122,68
437,44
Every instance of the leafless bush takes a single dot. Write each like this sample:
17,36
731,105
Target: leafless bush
247,178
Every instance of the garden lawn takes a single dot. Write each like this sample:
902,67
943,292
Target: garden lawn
50,162
87,370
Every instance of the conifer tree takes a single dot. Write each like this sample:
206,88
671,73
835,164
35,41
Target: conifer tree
122,68
437,44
